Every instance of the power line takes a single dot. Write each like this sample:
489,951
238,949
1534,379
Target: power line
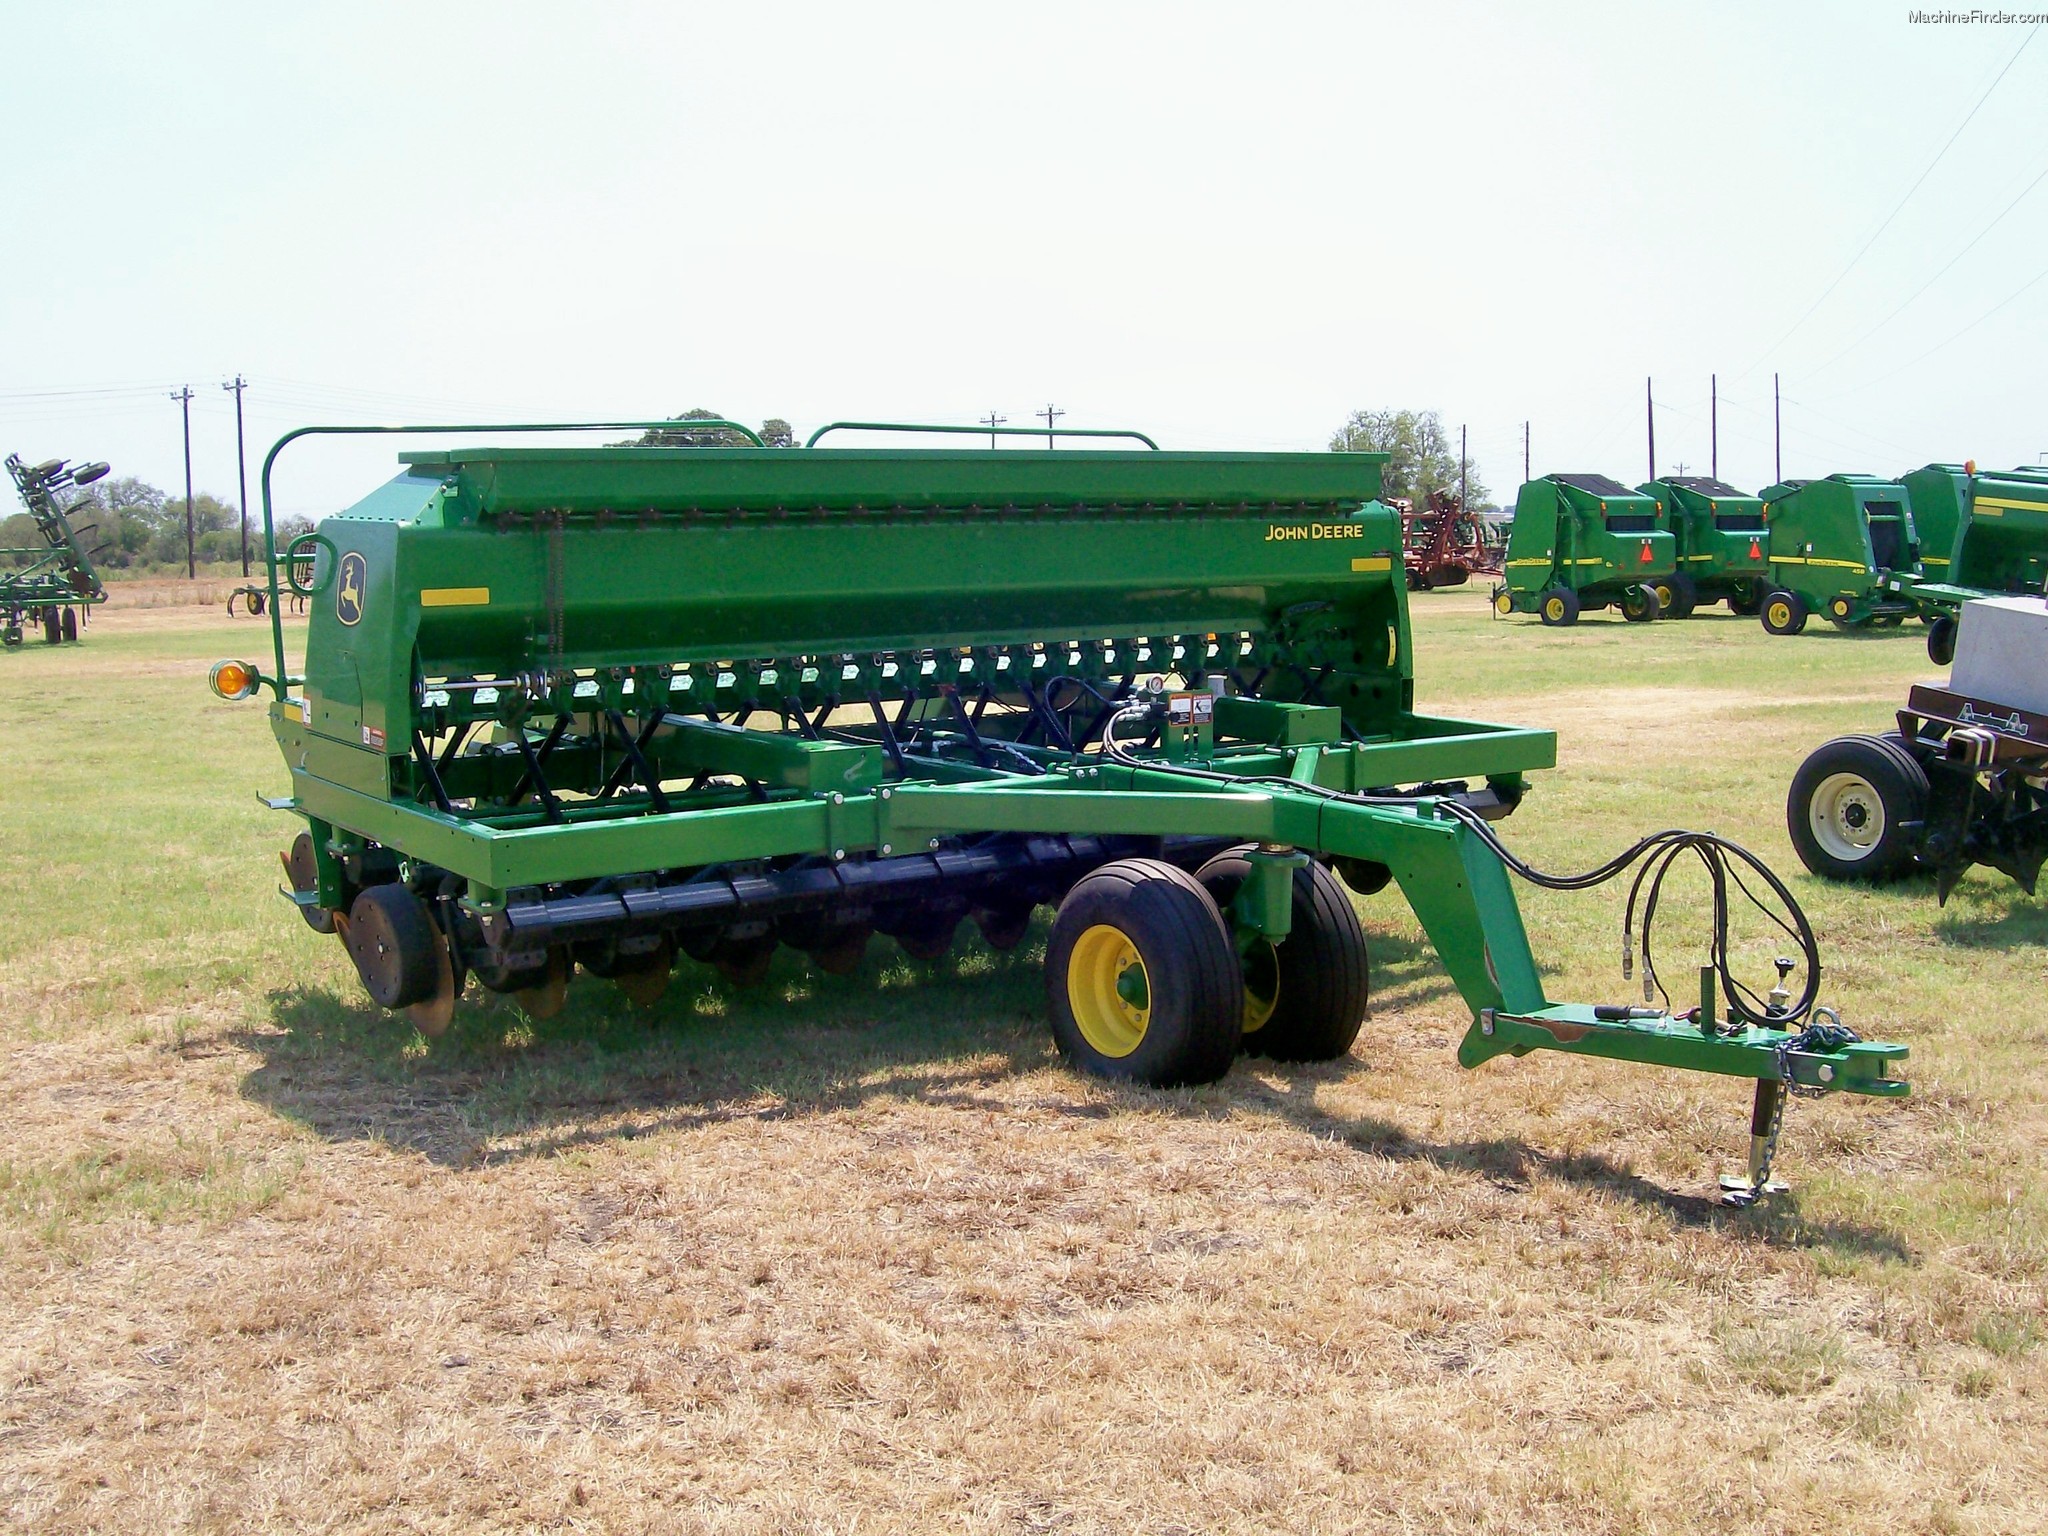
1959,255
1887,224
1943,345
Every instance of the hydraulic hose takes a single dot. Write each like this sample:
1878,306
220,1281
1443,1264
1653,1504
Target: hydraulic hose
1723,859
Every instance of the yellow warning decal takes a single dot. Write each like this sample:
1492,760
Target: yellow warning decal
454,597
1373,563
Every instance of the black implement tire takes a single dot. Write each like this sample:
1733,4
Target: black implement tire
1849,805
1368,877
1640,604
71,624
10,635
53,627
1746,599
1677,595
304,873
1558,606
1141,978
1305,997
1941,640
391,940
1783,613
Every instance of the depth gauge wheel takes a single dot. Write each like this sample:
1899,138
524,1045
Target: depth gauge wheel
391,939
1746,599
1503,603
1305,997
1850,806
1141,978
1640,604
10,636
1784,613
1558,606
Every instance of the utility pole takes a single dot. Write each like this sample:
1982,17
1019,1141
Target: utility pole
241,466
1714,425
992,421
1461,466
1650,415
1526,476
1777,434
1051,414
184,399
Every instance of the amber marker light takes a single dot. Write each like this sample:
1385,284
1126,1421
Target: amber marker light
233,679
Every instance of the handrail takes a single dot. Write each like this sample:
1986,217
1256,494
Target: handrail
911,426
278,682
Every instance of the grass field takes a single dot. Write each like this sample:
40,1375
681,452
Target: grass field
858,1255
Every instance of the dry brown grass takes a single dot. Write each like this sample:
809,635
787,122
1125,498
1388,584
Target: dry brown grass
847,1256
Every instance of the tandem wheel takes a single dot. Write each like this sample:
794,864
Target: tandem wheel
1559,605
1784,613
1305,997
1141,978
1677,596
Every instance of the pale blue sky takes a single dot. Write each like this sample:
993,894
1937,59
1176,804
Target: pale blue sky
1228,226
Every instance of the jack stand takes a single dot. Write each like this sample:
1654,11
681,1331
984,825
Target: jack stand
1766,1120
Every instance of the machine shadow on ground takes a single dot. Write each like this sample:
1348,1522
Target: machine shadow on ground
500,1087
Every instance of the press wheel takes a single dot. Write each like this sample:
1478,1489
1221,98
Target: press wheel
643,978
546,997
431,1015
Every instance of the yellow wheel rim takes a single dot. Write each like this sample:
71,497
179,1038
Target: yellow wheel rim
1503,605
1781,615
1554,609
1261,985
1109,991
1663,597
1841,609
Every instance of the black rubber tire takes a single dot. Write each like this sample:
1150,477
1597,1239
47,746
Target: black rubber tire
1941,641
1322,968
1747,599
1678,595
1195,997
391,940
1640,604
1883,779
71,625
305,876
257,602
1003,928
10,636
1558,606
1783,613
53,627
928,936
1368,877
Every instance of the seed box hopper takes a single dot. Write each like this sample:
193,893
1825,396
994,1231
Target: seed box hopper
1723,547
1580,543
48,583
1833,544
584,708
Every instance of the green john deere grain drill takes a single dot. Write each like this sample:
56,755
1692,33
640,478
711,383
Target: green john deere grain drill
1722,545
590,708
1581,543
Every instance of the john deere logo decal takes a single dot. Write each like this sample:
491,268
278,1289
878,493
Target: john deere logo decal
348,595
